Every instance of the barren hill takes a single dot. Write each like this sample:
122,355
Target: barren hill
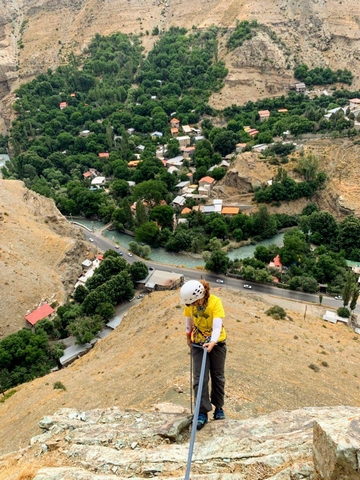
270,366
40,254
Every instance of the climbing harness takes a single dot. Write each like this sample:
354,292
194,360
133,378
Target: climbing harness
197,408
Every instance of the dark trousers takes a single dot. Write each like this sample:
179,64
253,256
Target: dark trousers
214,369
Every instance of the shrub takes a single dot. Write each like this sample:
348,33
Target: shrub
7,395
314,367
276,312
59,386
343,312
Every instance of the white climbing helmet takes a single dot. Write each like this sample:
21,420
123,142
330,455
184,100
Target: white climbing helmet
192,291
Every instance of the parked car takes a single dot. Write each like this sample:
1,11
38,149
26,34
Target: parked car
91,239
120,253
338,297
116,246
247,286
218,280
130,254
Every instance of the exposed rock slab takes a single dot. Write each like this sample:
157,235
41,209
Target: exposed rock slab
115,443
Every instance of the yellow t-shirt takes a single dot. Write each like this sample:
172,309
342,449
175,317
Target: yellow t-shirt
203,320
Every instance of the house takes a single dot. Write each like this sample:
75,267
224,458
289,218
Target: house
206,181
98,181
354,102
188,152
131,183
260,147
141,148
174,131
133,163
300,87
203,192
173,169
162,280
153,97
190,176
175,161
252,132
130,131
156,135
85,133
198,138
217,202
207,209
230,211
39,314
282,110
185,211
103,155
264,115
178,201
240,147
184,141
63,105
182,186
175,123
88,174
186,129
86,264
72,95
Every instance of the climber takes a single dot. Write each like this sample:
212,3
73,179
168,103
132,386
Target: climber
204,315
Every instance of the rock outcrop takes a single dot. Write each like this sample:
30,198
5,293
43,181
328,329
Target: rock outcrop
115,444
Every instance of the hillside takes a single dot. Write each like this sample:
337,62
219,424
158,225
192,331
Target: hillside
40,254
145,362
41,33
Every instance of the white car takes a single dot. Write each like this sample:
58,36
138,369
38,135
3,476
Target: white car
219,280
91,239
130,254
247,286
338,297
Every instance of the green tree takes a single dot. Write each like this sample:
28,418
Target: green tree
148,232
218,262
138,271
163,215
85,328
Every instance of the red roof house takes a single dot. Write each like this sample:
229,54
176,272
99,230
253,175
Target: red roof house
63,105
39,314
103,155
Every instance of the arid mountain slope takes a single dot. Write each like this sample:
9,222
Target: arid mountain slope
38,34
40,254
145,361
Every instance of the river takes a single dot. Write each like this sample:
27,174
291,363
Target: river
160,255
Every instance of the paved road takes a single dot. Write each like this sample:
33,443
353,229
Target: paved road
104,244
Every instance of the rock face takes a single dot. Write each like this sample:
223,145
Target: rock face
117,444
40,253
337,448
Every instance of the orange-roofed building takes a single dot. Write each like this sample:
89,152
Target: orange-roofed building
264,115
87,175
240,147
100,258
206,181
72,94
175,123
39,314
185,210
276,263
174,131
63,105
253,132
103,155
230,210
133,163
